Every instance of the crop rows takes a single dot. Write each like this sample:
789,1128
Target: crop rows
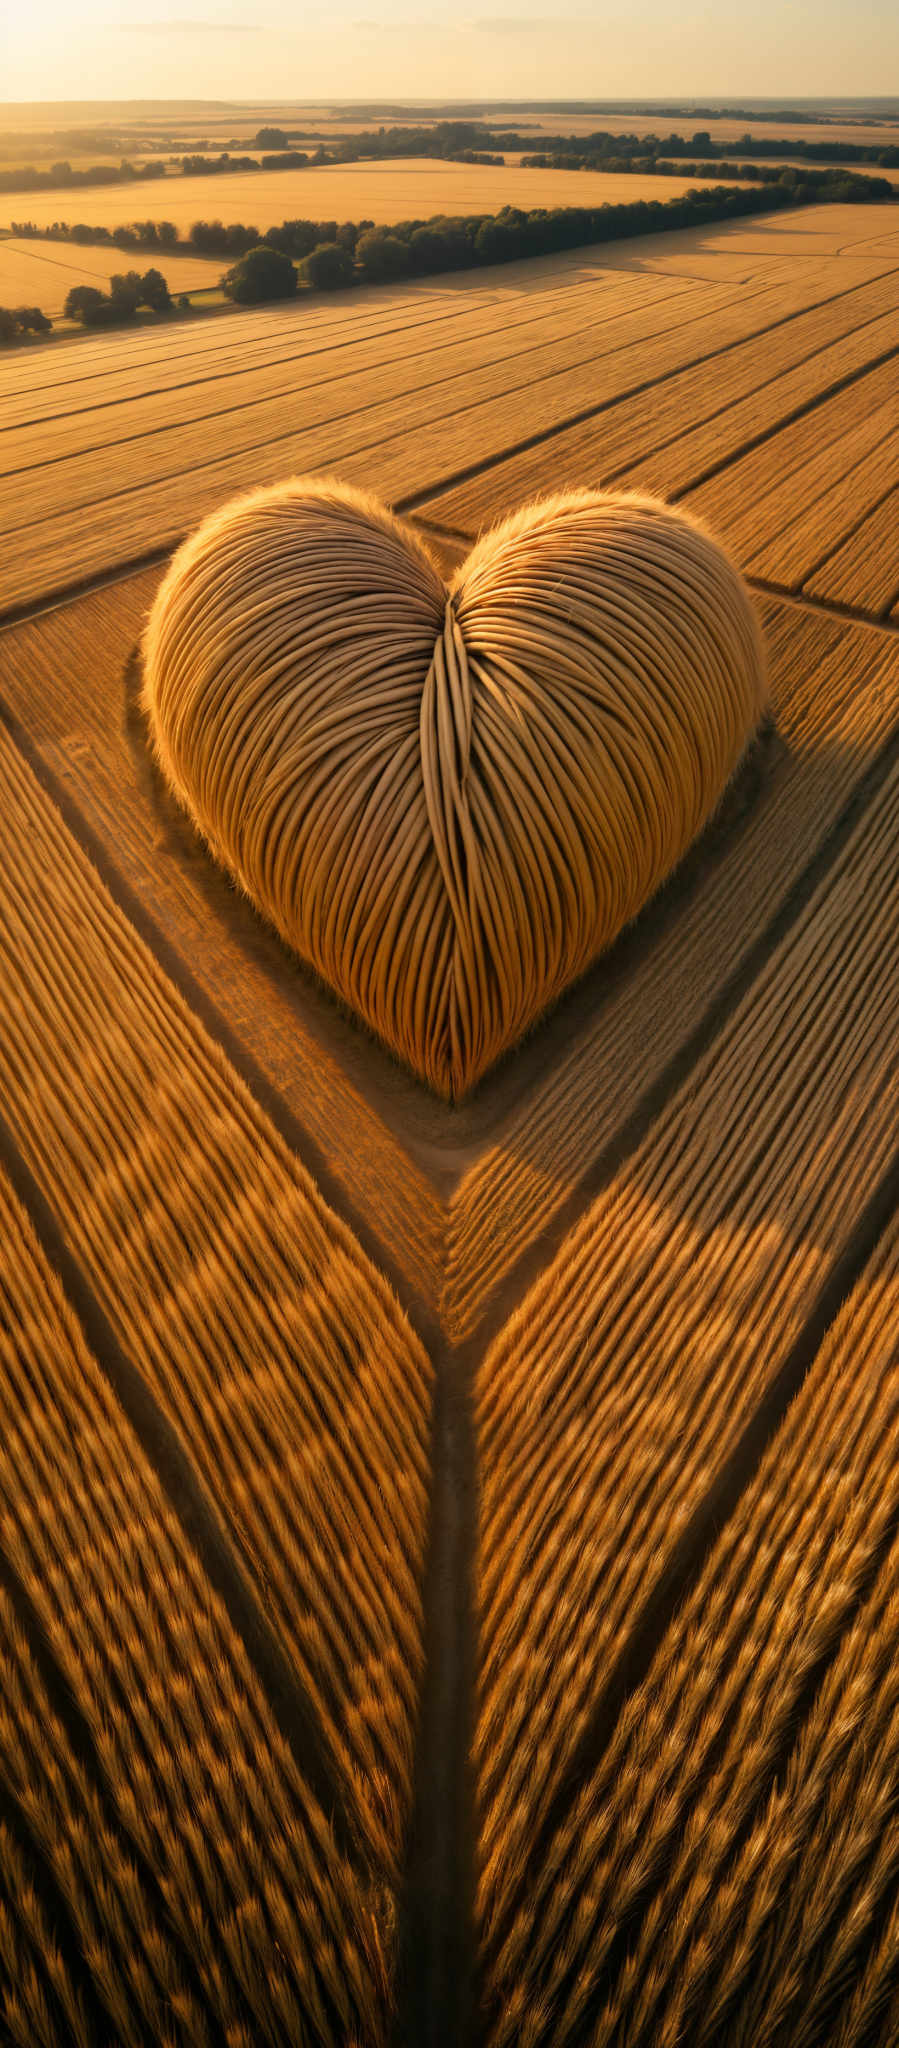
275,1352
836,699
744,497
609,1406
135,360
252,1917
791,501
518,288
864,571
662,440
40,2005
413,433
731,1869
259,349
567,328
524,393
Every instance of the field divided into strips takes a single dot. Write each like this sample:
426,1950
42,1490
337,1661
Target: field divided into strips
280,1359
354,400
387,428
797,439
698,418
202,1877
43,273
94,472
609,1408
731,1866
552,1677
181,124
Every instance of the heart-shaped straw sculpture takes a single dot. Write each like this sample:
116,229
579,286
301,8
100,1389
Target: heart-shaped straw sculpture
449,802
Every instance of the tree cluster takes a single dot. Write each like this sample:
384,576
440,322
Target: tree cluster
198,166
20,320
261,274
127,291
295,238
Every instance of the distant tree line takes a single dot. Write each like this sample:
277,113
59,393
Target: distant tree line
29,179
832,183
208,166
205,238
473,141
138,234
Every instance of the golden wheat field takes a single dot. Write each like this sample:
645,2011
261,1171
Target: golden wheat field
43,273
409,188
449,1585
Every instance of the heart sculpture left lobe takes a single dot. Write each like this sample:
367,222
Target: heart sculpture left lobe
450,801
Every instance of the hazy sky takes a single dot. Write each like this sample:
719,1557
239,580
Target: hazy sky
96,49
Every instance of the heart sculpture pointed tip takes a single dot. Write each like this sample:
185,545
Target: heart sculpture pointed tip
450,801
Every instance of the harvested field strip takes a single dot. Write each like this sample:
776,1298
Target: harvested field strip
539,344
663,440
864,571
40,2004
62,677
524,393
835,692
717,448
764,489
274,1350
731,1869
836,510
442,434
608,1408
193,1778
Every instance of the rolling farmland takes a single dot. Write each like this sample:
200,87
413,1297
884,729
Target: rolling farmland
408,188
448,1558
325,119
